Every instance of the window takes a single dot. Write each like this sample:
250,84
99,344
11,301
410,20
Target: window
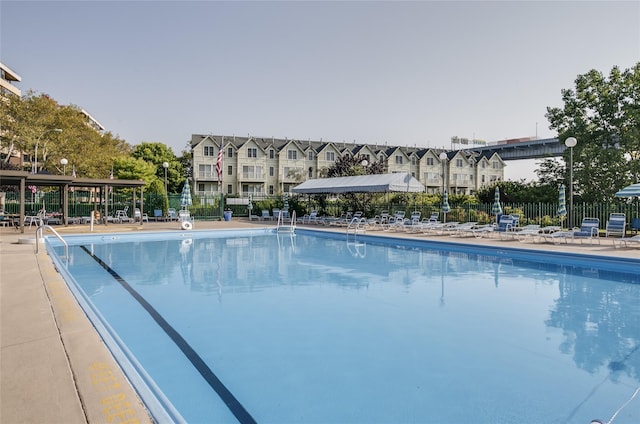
330,156
496,164
292,154
270,189
271,171
272,154
252,152
413,161
229,189
413,174
398,160
483,165
250,171
483,178
310,156
205,171
229,170
200,187
230,152
209,151
459,163
430,161
310,172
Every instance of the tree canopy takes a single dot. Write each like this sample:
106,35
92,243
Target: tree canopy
603,114
32,121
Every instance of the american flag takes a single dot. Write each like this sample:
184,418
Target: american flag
219,161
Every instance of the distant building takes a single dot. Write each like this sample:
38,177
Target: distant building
271,166
7,78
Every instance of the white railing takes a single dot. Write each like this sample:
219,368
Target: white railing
282,227
39,232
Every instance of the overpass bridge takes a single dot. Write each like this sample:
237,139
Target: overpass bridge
530,149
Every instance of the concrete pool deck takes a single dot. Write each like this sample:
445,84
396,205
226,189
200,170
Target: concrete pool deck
54,366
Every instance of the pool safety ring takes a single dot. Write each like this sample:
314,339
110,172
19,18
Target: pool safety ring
186,225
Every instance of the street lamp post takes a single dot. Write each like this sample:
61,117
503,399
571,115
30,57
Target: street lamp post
34,169
64,163
443,159
570,143
165,165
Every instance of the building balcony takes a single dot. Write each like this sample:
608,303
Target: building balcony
252,176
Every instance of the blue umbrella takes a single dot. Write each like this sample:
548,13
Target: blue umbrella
185,196
630,191
562,203
445,205
496,209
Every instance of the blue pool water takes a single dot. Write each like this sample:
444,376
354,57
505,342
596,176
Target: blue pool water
232,326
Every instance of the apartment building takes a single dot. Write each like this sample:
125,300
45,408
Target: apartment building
271,166
7,78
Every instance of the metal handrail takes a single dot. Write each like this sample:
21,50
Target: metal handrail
288,228
39,232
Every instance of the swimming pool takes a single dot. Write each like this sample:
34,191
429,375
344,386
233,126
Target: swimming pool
231,326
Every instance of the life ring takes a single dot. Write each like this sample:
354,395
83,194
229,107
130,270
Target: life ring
186,225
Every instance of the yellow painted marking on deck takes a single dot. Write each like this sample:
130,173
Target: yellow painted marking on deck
103,377
116,407
64,303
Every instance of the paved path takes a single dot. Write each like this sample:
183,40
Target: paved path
54,366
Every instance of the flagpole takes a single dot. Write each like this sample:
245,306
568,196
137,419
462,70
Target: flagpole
219,172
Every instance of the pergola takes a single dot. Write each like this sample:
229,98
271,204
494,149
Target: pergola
22,179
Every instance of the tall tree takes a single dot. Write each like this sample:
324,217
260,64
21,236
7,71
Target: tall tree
28,122
603,114
156,154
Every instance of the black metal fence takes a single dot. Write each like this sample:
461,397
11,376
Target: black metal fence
210,207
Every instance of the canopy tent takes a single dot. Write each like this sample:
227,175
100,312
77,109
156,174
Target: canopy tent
375,183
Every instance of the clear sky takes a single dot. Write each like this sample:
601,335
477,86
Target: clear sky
402,73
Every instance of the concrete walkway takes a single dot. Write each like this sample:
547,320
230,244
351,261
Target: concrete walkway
54,366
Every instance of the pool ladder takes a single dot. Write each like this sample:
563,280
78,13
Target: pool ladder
39,232
282,227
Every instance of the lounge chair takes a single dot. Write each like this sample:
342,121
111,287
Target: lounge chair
589,230
616,225
434,217
138,216
264,216
633,241
413,224
505,225
122,215
479,231
311,218
157,215
530,233
438,227
521,233
396,222
172,214
455,229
